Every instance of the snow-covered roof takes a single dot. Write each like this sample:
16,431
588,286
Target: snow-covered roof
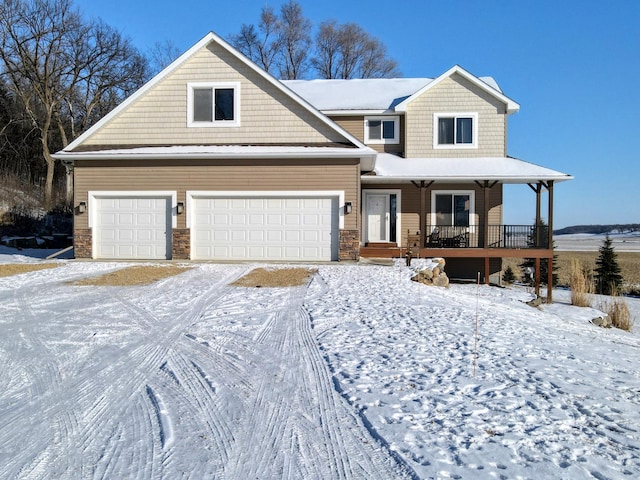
356,94
372,94
215,151
390,168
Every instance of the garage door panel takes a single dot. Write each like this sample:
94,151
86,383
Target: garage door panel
265,228
132,227
256,235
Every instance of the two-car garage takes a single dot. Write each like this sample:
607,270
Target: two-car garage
280,226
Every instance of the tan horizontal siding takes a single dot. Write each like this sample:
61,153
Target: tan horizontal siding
267,175
354,124
266,114
456,94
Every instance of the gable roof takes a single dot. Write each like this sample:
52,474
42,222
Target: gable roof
205,41
512,106
381,95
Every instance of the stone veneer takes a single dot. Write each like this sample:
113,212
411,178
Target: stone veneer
82,243
181,244
349,245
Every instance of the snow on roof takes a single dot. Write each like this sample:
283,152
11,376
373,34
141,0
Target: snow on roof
362,94
215,151
504,169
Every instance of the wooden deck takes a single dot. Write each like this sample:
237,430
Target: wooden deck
376,251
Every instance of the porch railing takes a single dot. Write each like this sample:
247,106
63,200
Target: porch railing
498,236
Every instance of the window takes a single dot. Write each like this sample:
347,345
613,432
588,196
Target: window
452,208
455,130
381,130
213,104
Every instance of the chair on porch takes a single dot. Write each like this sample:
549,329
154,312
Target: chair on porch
434,240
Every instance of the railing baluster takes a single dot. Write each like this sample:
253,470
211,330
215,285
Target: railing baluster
500,236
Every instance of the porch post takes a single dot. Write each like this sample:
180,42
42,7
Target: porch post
487,272
537,275
550,245
485,228
423,217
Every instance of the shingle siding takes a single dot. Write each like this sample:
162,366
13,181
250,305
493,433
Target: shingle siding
456,94
267,115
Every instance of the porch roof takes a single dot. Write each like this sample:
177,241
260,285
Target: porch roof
391,168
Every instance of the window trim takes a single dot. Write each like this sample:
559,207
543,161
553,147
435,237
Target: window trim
455,116
191,86
382,141
472,204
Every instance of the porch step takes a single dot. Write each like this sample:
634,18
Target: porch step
381,252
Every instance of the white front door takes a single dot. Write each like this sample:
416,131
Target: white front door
377,218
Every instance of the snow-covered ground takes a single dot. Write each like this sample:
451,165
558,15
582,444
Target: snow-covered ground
362,374
591,242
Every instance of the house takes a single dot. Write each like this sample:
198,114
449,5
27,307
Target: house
214,159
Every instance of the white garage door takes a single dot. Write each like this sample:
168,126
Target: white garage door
265,228
132,228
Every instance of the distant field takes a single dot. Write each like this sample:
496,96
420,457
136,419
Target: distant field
629,265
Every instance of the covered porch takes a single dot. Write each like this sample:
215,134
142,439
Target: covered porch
452,208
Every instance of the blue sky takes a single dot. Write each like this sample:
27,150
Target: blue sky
572,65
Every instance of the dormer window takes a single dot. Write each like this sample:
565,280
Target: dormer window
455,130
213,104
379,130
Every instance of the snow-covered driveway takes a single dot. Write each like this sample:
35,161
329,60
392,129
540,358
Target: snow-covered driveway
186,378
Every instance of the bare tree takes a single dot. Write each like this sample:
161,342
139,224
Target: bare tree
326,61
341,50
374,61
63,70
295,40
162,54
261,44
347,51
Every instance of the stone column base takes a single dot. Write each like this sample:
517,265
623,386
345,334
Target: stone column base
181,244
82,243
349,245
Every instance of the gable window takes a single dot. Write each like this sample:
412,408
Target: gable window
213,104
381,130
455,130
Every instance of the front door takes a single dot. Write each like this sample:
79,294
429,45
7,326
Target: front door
377,218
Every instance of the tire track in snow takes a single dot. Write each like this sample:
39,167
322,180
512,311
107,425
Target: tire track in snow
296,395
100,397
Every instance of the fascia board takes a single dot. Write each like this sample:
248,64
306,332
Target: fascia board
338,113
463,178
107,155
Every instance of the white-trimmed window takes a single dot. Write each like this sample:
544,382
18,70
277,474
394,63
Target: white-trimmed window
452,208
455,130
213,104
382,129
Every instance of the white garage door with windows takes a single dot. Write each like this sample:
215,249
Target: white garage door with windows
265,227
131,227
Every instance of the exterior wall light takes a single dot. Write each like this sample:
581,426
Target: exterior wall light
347,207
180,208
82,207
